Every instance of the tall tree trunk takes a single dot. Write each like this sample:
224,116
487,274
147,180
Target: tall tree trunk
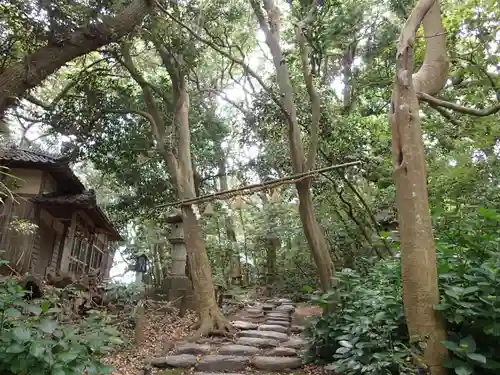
21,76
211,317
271,29
418,252
235,261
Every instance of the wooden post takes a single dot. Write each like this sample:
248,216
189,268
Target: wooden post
68,244
139,323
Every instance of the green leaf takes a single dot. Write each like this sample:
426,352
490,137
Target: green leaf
115,340
477,357
450,345
21,334
68,356
342,350
58,371
468,344
471,289
464,370
15,349
34,309
345,344
37,350
12,313
48,326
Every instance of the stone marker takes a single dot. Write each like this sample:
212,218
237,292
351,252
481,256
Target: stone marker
191,348
174,361
276,363
222,363
257,342
265,335
282,352
238,350
272,327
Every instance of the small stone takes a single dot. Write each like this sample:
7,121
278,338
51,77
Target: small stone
285,301
298,329
239,324
275,316
222,363
191,348
278,323
272,327
238,350
174,361
265,335
276,363
295,342
257,342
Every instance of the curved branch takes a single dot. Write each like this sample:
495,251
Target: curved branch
458,108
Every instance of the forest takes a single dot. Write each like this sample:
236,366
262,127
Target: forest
338,155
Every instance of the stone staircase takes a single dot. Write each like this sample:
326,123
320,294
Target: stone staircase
266,341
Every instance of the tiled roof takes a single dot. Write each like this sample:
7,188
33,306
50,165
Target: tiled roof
86,198
15,153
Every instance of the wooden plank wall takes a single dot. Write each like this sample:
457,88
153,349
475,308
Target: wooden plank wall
18,247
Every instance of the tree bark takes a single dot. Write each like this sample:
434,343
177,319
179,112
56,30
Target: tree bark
418,252
312,230
21,76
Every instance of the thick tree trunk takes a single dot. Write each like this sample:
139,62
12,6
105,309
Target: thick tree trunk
418,252
273,243
19,77
211,318
314,235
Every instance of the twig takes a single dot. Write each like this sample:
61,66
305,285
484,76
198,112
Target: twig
250,189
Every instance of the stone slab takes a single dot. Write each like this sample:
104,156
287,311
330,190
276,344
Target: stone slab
282,352
257,342
282,323
276,363
174,361
239,324
222,363
297,329
295,342
191,348
231,349
273,327
265,335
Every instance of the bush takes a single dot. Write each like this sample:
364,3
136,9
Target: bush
36,340
365,332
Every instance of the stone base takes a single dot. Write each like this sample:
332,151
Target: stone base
175,287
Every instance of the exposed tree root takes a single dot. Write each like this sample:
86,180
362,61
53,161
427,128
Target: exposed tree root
213,323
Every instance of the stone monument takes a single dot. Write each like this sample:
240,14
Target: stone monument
177,285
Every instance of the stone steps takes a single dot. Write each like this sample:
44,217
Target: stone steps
264,342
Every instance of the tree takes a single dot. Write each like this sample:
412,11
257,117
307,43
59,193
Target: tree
271,28
418,252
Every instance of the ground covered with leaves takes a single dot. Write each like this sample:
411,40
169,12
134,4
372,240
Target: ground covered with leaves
160,330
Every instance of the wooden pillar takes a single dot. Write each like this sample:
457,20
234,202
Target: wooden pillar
68,244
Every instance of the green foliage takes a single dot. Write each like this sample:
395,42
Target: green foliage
123,293
36,339
365,331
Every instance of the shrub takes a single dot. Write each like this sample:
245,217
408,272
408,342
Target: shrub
365,332
36,340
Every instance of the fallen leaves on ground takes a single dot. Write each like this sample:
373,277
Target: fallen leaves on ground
160,328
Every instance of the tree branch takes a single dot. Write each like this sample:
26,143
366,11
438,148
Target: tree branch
458,108
19,77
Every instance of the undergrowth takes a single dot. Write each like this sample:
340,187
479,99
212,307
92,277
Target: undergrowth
365,330
40,337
